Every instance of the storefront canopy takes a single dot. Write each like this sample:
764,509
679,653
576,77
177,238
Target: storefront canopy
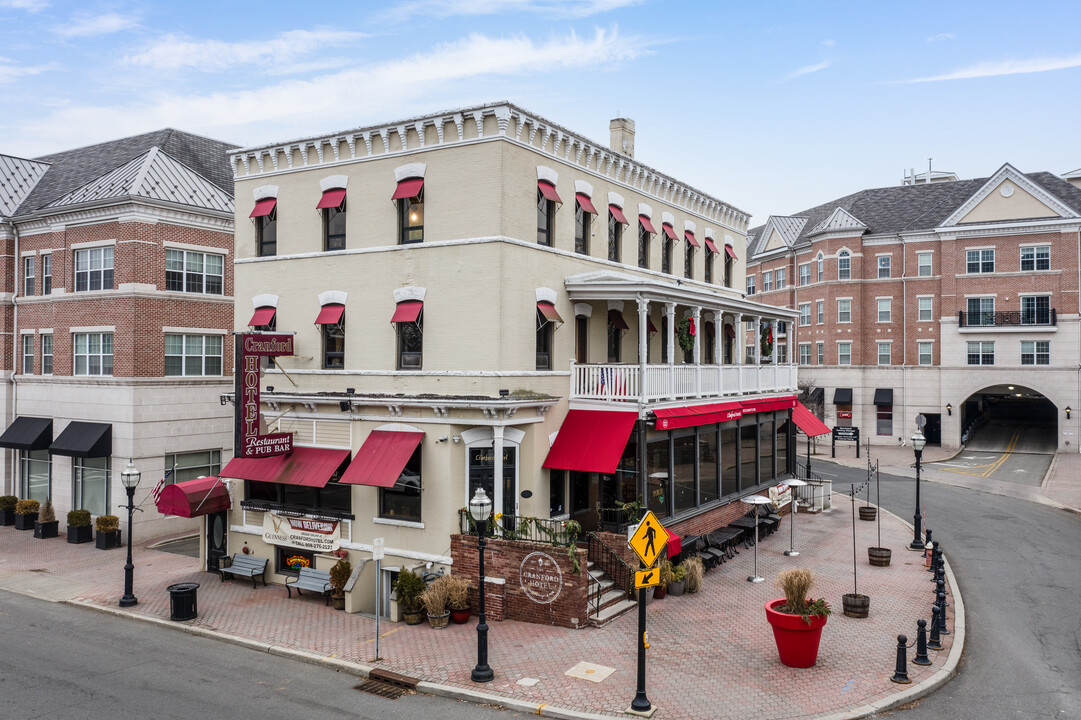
767,405
84,439
842,396
884,396
807,422
591,441
28,433
692,415
194,498
310,467
381,458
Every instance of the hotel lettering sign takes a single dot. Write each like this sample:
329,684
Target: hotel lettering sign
540,578
302,533
250,348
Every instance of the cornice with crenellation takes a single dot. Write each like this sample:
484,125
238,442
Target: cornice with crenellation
126,211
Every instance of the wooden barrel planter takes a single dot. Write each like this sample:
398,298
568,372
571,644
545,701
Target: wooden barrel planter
856,606
879,557
868,512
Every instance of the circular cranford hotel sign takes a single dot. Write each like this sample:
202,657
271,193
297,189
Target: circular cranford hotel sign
541,578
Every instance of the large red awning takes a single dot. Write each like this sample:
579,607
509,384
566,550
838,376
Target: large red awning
330,315
669,231
381,458
409,188
548,190
711,246
332,198
768,405
729,252
692,415
262,316
548,310
407,311
647,225
586,202
194,498
617,213
264,207
690,238
306,466
591,441
807,422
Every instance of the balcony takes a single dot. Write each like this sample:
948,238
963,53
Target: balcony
1030,319
618,382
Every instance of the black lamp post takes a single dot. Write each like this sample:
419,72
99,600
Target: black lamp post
480,508
130,478
918,443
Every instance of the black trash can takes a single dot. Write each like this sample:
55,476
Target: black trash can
183,601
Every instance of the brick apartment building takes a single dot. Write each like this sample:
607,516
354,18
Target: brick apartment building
957,299
116,306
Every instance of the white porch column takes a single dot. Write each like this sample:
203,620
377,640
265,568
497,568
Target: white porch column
737,327
757,344
696,317
718,337
643,347
497,471
670,331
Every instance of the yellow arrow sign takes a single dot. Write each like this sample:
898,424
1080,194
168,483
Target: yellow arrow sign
649,539
647,578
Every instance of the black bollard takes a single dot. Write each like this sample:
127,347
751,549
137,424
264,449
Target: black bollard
935,643
927,535
921,644
900,673
942,613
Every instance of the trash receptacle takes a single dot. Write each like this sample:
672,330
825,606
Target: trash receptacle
183,601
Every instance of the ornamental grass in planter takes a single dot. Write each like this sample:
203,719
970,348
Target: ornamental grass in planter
695,571
797,619
80,528
108,535
339,576
458,598
408,589
26,514
7,509
434,599
47,526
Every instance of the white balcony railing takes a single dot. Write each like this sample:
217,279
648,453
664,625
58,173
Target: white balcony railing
623,383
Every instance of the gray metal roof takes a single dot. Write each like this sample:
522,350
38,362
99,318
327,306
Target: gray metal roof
18,177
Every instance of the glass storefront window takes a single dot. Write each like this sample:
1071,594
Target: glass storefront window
783,425
402,501
657,456
729,460
765,450
35,475
708,462
92,485
748,436
557,494
683,449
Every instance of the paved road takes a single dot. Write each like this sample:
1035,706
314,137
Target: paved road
1020,576
60,661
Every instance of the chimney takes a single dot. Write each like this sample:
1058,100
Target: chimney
621,131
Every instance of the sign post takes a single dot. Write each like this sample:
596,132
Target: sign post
377,555
646,541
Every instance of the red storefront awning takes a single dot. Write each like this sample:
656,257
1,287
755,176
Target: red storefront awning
647,225
407,311
332,198
194,498
615,318
711,246
548,190
730,252
767,405
617,213
692,415
591,441
690,238
262,316
306,466
264,207
381,458
548,310
330,315
807,422
586,202
409,188
669,231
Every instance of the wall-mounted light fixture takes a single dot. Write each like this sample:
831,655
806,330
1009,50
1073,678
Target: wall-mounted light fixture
949,409
504,393
350,391
442,439
270,388
344,405
1068,411
457,439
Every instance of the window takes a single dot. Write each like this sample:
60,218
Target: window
411,219
688,260
94,269
924,304
581,339
91,485
727,269
981,311
35,475
883,267
884,420
615,238
193,355
544,342
805,353
709,266
546,215
750,284
804,275
844,311
821,267
805,314
1036,352
192,465
980,261
884,353
844,353
844,265
402,500
885,306
782,327
333,330
925,350
93,354
28,276
615,336
923,264
643,246
194,272
583,228
821,349
28,354
1035,310
1034,258
782,353
782,276
767,281
820,311
334,227
46,354
266,234
666,254
981,353
411,343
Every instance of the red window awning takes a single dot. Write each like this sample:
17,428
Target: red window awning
264,207
650,327
807,422
591,441
548,190
692,415
194,498
767,405
586,202
710,330
617,213
330,315
647,225
711,246
669,231
615,317
332,198
305,466
407,311
381,458
730,252
262,316
548,310
729,331
408,188
690,238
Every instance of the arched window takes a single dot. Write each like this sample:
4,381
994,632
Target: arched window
821,267
844,265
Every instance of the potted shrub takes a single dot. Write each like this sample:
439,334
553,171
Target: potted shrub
664,567
47,525
339,576
434,600
80,529
7,509
458,599
797,620
676,585
108,536
694,572
26,514
407,589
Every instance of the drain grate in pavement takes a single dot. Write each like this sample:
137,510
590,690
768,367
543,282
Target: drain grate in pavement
382,689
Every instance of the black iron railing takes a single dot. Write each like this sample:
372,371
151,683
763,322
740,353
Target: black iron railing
1008,318
607,560
617,519
561,533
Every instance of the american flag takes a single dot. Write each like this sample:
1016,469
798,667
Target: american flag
156,492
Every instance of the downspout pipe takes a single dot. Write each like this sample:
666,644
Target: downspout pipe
13,470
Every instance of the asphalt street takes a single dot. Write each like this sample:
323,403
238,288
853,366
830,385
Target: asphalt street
1020,576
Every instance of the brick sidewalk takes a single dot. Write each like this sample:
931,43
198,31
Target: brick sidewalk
711,655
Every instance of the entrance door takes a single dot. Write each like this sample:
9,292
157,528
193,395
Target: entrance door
933,429
482,474
217,532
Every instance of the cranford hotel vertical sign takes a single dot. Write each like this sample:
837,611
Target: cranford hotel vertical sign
247,442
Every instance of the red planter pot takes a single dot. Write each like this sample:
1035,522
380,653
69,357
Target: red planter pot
797,641
460,617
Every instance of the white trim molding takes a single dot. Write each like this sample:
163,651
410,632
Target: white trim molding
410,292
667,217
688,225
265,191
410,170
645,210
546,295
332,297
547,174
334,182
615,199
583,310
264,300
581,186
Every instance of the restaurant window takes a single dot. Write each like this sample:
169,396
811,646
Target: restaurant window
923,264
750,284
729,460
804,314
402,501
93,353
1036,258
35,475
334,344
91,485
557,494
748,453
925,350
709,265
266,234
981,353
844,353
545,331
28,354
583,228
28,276
708,463
194,272
683,465
334,227
411,219
46,274
844,265
883,267
290,560
885,309
657,471
884,420
820,311
546,214
47,354
925,308
804,274
1035,352
688,260
980,261
784,426
766,451
844,311
192,355
182,467
334,498
94,269
643,245
884,353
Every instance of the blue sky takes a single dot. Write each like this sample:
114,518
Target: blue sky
771,106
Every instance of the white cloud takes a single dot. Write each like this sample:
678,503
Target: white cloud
92,25
174,52
1004,67
555,8
808,69
9,72
942,36
27,5
828,43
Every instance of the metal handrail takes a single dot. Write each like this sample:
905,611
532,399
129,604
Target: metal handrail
561,533
611,564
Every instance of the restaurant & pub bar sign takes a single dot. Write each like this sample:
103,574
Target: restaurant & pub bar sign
250,347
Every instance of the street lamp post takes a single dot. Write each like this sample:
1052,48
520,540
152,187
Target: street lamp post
918,443
130,478
480,508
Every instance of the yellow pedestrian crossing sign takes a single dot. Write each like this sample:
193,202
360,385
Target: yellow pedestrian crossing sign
649,539
647,578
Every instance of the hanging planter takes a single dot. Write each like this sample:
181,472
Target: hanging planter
853,604
868,512
878,556
685,333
